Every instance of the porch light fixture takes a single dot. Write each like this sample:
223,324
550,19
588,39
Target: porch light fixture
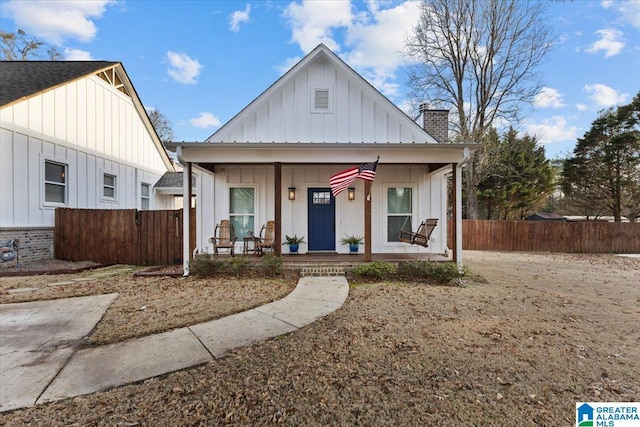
351,195
292,193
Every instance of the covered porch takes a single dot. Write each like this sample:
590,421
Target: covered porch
432,159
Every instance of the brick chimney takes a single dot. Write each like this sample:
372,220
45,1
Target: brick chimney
435,122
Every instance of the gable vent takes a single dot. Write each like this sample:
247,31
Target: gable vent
321,99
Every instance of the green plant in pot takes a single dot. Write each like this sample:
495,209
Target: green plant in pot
293,243
353,241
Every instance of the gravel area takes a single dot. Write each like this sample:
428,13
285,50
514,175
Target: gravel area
530,336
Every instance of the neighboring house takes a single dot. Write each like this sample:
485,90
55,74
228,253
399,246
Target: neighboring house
171,185
318,119
553,217
73,134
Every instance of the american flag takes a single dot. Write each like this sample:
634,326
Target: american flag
340,181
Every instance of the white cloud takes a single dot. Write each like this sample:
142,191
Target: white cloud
55,21
205,120
77,55
552,130
238,17
313,22
629,10
611,42
604,96
582,107
373,38
182,68
548,97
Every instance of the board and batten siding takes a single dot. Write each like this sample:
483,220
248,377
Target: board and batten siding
356,113
92,128
429,201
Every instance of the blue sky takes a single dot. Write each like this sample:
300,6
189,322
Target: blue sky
201,62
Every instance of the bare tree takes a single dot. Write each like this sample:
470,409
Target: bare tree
161,124
480,58
19,47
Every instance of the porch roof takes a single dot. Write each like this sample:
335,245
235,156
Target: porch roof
321,153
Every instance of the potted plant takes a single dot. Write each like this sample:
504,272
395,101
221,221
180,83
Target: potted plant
353,241
293,243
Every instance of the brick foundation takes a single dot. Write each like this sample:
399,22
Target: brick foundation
36,243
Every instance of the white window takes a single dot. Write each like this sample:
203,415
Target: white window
55,182
109,186
145,191
242,210
399,212
321,101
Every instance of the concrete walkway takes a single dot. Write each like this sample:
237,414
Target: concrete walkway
24,381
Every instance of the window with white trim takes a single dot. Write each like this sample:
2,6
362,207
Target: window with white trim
242,210
145,196
399,212
55,182
109,182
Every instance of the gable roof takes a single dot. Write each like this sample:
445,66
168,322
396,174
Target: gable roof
360,113
22,79
172,180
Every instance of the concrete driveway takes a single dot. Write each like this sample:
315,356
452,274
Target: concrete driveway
37,340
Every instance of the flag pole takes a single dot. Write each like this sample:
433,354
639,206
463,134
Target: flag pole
369,192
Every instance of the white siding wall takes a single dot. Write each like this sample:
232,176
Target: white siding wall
357,113
87,125
429,200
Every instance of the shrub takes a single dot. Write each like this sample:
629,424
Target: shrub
412,269
376,270
203,265
440,272
270,265
238,265
443,272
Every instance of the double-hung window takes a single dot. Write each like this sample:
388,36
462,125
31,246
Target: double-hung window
399,212
145,191
55,182
109,186
242,210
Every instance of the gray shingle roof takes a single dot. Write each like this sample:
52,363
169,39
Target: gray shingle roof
20,79
172,180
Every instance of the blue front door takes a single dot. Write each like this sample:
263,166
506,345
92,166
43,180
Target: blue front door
322,220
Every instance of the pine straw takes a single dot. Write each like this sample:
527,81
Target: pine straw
533,334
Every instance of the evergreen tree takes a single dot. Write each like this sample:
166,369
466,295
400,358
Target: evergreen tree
603,175
518,178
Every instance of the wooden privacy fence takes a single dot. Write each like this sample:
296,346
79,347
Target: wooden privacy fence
540,236
121,236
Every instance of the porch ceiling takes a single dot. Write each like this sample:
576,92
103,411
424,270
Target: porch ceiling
321,153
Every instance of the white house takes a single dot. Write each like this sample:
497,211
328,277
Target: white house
318,119
73,134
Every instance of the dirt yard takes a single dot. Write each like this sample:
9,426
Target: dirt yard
529,337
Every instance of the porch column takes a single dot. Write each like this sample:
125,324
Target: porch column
367,221
457,215
277,171
187,191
